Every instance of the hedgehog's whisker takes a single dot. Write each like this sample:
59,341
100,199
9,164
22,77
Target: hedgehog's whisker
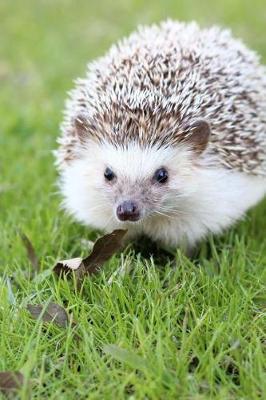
99,207
173,211
161,214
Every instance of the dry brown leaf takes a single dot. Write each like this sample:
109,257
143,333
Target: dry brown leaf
51,312
10,381
72,265
32,256
105,247
102,251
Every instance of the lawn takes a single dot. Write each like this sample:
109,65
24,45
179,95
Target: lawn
192,330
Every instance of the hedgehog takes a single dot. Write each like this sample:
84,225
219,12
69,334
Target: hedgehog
166,135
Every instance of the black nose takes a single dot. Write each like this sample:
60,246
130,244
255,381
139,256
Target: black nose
128,211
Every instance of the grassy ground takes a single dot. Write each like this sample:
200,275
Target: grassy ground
192,332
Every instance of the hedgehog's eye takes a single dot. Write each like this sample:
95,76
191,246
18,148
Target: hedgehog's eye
108,174
161,175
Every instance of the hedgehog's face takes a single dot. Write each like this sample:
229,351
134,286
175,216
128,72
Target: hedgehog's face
135,183
112,186
139,183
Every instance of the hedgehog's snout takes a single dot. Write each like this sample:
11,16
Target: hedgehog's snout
128,211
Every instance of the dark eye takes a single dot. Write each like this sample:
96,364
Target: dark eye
108,174
161,175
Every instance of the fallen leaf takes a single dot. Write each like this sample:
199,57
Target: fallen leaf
75,265
102,251
32,256
51,312
104,248
10,381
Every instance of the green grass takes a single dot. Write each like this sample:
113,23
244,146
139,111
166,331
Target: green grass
196,331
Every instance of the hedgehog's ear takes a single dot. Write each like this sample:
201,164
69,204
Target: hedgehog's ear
80,127
198,135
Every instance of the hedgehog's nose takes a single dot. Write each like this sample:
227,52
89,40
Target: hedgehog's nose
128,211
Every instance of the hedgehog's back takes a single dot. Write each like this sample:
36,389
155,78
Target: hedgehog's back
154,83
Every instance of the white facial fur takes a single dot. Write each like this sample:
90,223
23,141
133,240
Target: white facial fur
196,199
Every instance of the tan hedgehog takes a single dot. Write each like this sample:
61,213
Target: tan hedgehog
166,135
